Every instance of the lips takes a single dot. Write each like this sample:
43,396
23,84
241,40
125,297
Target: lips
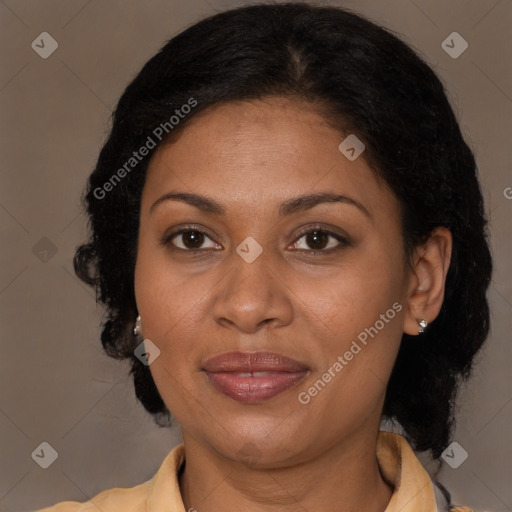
253,377
250,362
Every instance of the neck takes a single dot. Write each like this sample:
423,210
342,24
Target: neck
345,478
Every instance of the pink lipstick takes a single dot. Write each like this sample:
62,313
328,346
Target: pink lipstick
253,377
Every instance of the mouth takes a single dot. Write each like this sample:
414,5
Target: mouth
253,377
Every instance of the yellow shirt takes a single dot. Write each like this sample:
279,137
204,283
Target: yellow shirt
413,488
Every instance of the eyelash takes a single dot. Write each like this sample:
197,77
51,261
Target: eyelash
343,242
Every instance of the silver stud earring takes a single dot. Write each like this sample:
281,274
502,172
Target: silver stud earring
138,326
423,324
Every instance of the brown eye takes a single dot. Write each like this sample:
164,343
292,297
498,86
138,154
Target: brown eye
320,240
190,239
317,239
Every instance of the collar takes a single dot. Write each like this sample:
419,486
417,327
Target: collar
413,489
400,467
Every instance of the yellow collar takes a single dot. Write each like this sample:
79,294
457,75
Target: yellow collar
400,467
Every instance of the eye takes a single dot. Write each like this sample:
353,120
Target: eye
190,239
315,239
320,240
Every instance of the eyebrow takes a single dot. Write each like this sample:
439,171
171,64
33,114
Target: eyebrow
288,207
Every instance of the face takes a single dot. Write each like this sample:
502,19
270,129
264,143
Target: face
248,267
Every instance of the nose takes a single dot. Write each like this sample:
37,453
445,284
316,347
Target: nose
252,295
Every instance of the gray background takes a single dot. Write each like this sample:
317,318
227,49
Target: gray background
56,383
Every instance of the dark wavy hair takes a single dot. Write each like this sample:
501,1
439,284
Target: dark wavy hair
364,80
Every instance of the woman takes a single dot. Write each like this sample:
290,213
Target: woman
287,232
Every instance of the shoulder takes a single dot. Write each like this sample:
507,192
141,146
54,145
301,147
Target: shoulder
131,499
64,506
150,495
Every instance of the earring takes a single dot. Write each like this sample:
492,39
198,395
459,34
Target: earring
423,324
138,326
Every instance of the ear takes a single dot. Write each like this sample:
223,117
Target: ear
427,280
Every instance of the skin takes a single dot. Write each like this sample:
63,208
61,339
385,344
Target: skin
279,454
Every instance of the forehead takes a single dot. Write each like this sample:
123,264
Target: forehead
261,152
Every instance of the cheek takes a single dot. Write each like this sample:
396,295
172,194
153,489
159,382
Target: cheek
168,307
353,297
173,307
166,298
356,314
354,356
